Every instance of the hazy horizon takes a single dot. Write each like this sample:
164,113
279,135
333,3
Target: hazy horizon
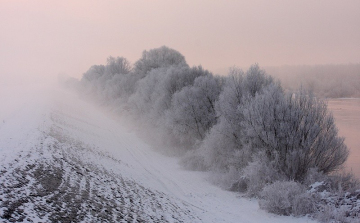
42,38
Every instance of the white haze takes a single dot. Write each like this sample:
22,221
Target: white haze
170,103
46,38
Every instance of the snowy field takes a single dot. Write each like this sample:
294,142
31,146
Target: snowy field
64,160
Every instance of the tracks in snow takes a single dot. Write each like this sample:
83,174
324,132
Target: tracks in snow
60,180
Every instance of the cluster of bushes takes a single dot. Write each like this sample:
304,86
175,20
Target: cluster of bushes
243,128
329,198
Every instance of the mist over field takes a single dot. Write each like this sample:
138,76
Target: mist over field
188,111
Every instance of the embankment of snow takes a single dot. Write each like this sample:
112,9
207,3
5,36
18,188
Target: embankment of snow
62,159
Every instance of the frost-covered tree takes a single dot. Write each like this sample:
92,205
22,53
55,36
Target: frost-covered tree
174,81
155,91
142,101
156,58
106,82
117,89
118,65
116,72
192,111
295,129
224,147
94,73
91,80
255,80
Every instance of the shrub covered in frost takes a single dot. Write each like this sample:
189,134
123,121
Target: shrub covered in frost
286,198
298,129
259,173
338,198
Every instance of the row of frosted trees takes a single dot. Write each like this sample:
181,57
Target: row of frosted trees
244,128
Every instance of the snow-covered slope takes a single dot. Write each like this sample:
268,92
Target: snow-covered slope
64,160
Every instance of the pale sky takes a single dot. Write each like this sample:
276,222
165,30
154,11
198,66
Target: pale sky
45,37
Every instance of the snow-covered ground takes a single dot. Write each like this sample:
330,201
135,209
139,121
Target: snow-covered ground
64,160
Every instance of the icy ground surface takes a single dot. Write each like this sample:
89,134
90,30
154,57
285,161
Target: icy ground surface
63,160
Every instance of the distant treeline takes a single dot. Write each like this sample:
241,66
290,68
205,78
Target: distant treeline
326,81
244,128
